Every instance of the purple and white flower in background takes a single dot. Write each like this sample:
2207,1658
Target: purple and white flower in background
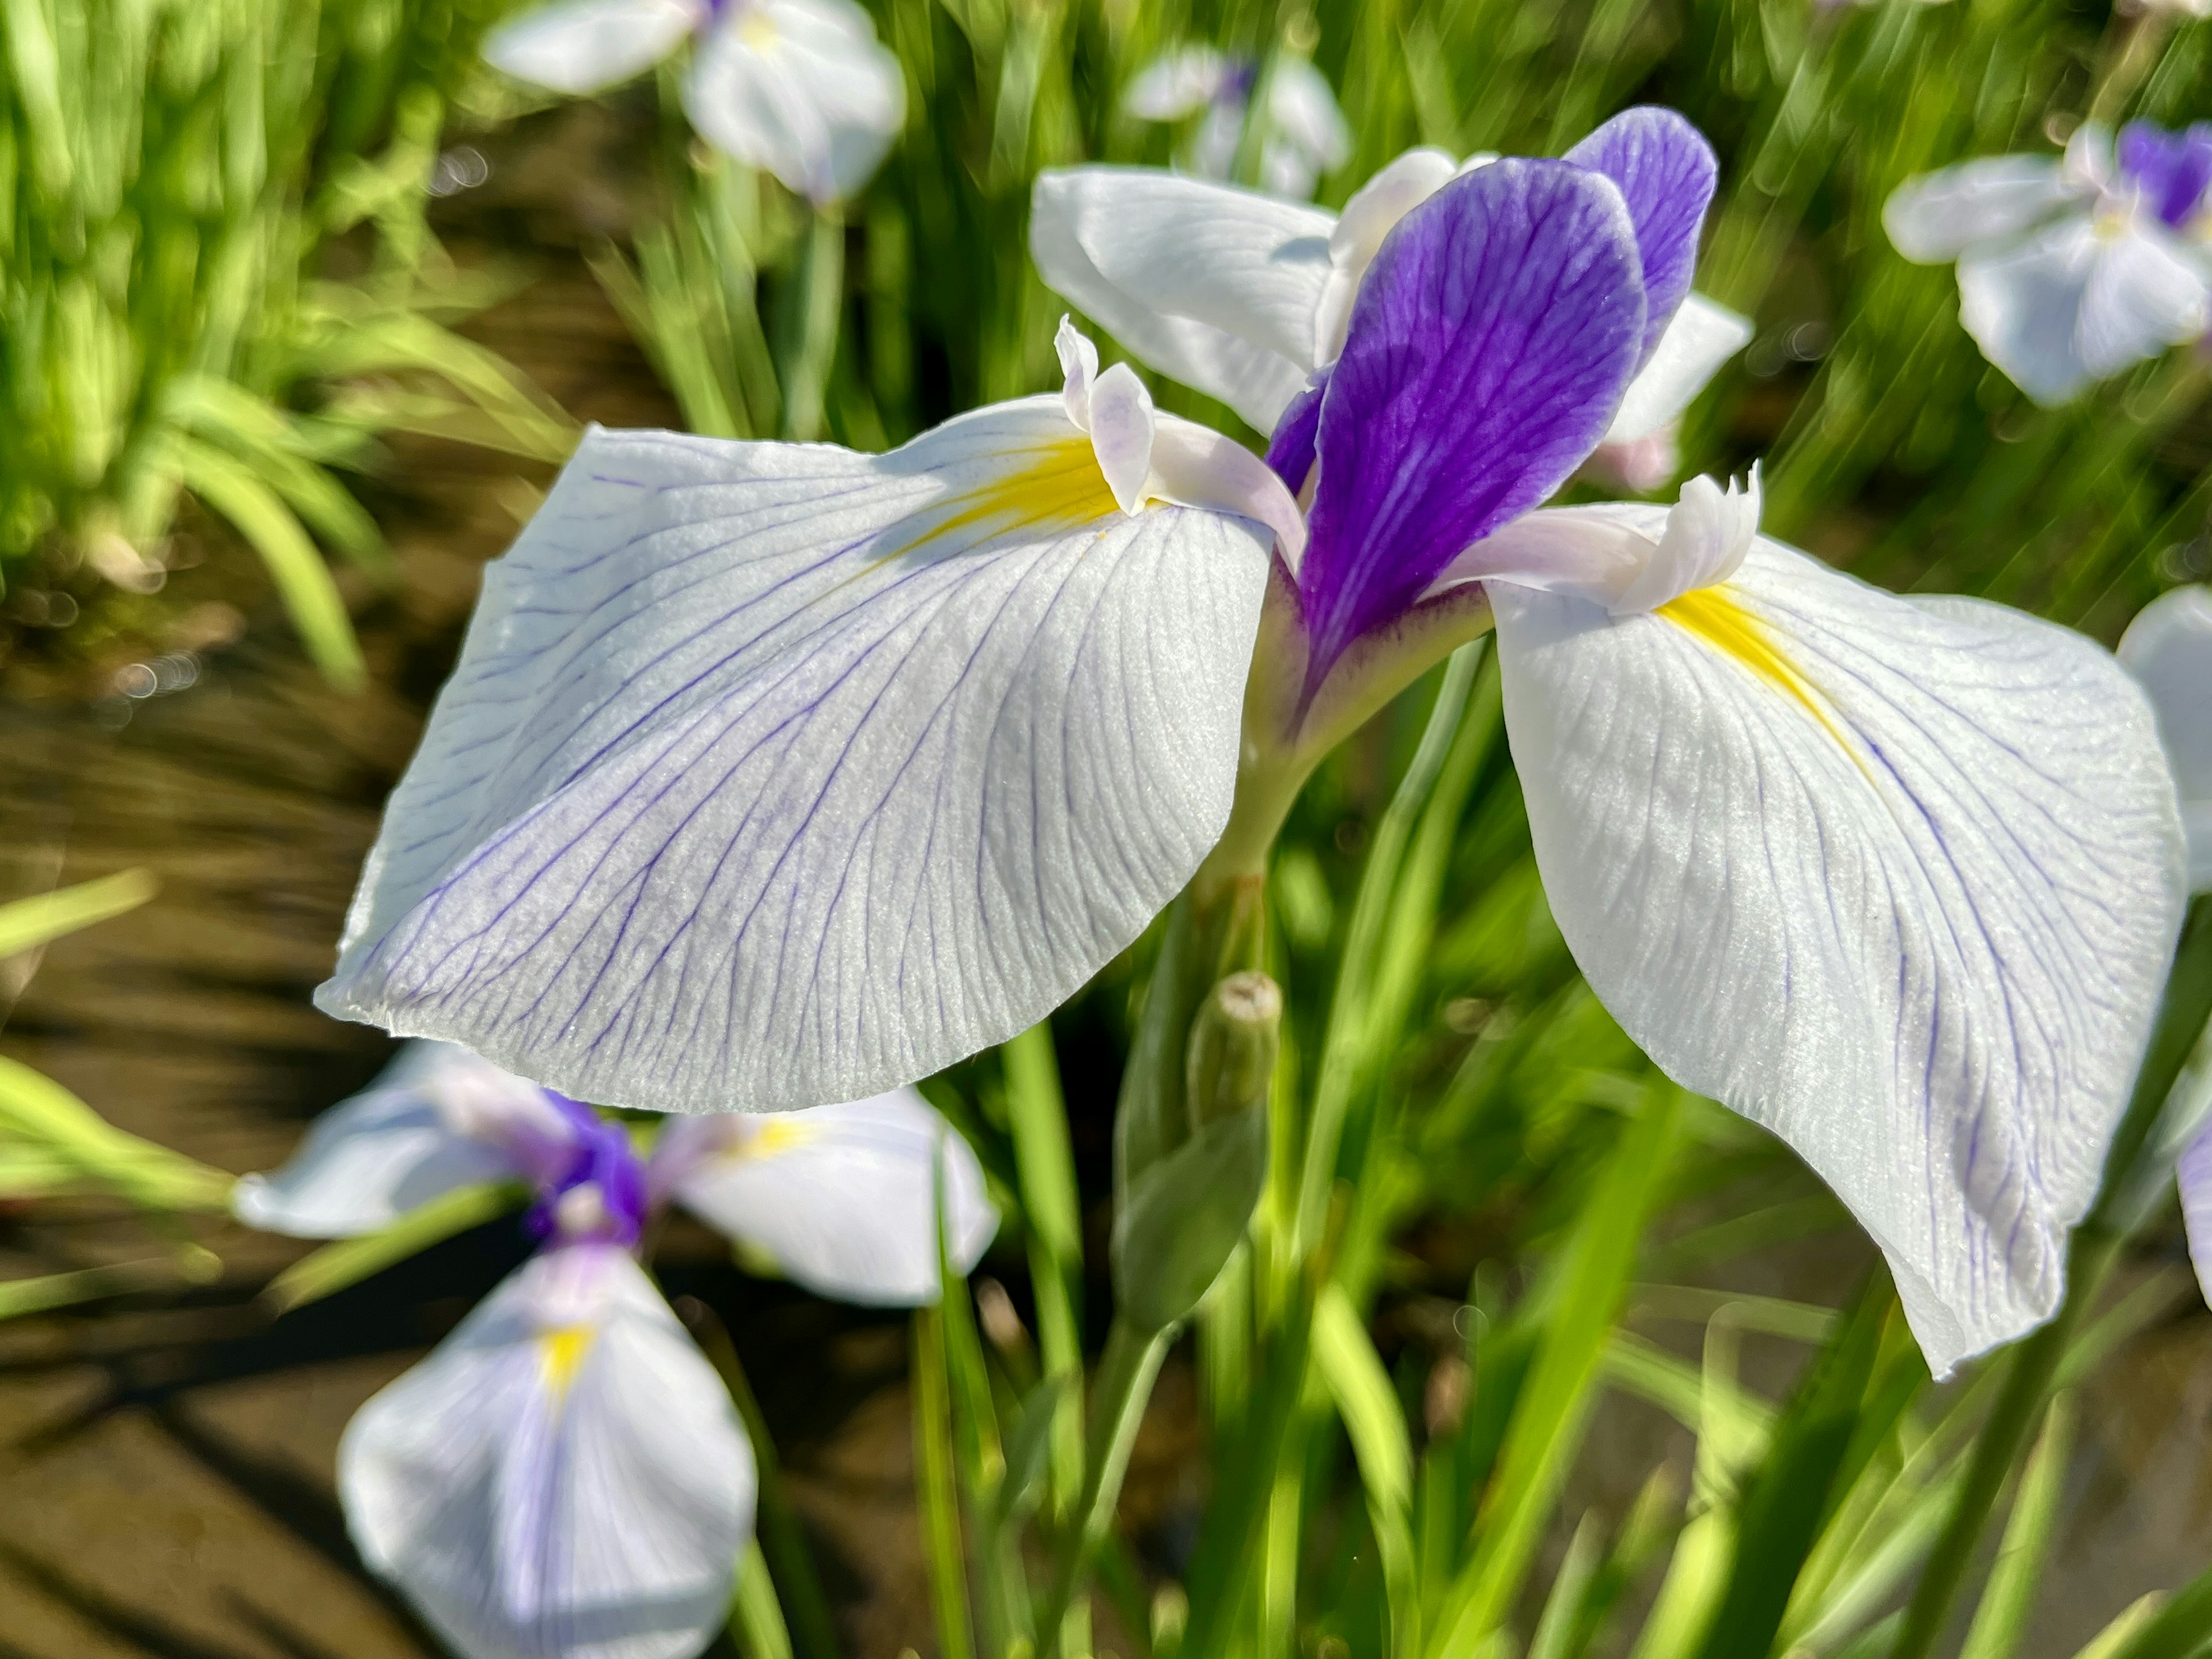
2168,647
2072,269
565,1477
774,775
1244,297
801,88
1306,134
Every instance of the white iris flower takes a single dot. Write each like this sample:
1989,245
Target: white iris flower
1306,134
801,88
778,774
2072,269
565,1477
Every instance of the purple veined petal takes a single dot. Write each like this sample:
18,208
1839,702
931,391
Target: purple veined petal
2172,169
564,1478
1666,171
437,1119
843,1198
2168,647
1918,858
1297,434
774,775
1487,353
582,46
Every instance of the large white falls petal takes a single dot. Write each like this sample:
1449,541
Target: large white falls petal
1898,879
564,1478
843,1198
437,1119
774,775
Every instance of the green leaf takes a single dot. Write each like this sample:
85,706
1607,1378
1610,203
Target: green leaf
1555,1402
1182,1218
755,1616
2182,1629
48,1124
331,1268
27,922
303,581
1797,1484
2008,1597
1382,1447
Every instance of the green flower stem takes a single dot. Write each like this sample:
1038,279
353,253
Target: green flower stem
2096,1246
1126,1371
811,346
782,1543
1345,1053
935,1489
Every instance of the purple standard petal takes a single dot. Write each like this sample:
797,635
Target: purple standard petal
1667,170
1291,451
1488,352
2173,168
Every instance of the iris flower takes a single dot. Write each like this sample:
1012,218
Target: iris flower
772,774
1242,297
1306,135
799,87
2072,269
565,1477
2168,647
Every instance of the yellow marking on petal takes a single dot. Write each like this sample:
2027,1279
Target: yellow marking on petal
562,1349
777,1136
1061,487
1716,617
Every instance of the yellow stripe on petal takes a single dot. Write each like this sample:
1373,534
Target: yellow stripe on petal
563,1348
775,1136
1716,616
1059,488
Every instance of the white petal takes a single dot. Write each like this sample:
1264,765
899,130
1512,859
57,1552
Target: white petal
2144,293
564,1478
1079,367
1121,427
2191,1105
1211,285
1176,83
1372,213
841,1197
799,87
584,45
1193,465
438,1118
1898,880
1937,216
2168,647
2021,302
774,774
1690,350
1305,113
1628,556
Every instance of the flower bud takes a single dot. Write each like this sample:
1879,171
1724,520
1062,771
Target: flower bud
1231,1056
1184,1212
